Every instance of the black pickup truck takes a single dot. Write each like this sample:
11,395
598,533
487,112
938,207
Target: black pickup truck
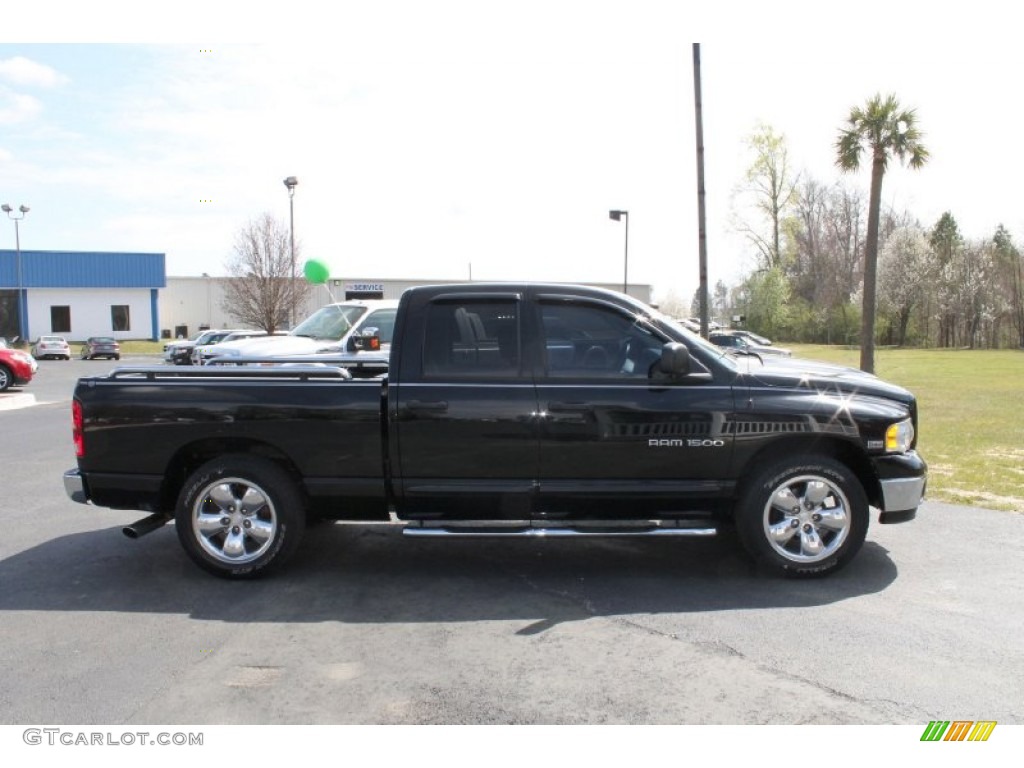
506,410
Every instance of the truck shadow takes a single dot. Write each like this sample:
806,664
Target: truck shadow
357,574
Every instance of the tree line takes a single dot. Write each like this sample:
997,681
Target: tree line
813,245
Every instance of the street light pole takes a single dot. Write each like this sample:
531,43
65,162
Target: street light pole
619,216
291,182
17,243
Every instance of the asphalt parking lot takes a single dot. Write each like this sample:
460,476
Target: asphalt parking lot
366,626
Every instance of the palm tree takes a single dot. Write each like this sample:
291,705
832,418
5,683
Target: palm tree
884,129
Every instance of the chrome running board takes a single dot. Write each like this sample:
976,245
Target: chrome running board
550,531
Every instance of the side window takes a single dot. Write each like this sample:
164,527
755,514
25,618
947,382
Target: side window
584,341
472,340
384,321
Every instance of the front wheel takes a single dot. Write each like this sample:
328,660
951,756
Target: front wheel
6,378
239,516
805,516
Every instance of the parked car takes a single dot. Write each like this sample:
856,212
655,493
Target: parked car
326,331
203,352
51,346
101,346
180,352
732,340
16,368
509,410
753,338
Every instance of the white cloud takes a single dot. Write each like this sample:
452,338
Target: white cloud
25,72
17,107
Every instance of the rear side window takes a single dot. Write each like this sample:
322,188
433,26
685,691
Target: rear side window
478,339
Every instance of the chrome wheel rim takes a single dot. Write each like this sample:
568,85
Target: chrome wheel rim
807,519
234,520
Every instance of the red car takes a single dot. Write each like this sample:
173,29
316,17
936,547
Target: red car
16,367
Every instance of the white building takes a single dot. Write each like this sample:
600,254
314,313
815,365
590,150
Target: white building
189,304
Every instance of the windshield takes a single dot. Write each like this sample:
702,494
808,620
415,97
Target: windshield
330,322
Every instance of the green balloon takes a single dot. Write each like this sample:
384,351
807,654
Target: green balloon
316,272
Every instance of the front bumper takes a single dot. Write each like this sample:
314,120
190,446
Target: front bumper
74,486
903,480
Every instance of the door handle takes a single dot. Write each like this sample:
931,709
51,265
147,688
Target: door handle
422,406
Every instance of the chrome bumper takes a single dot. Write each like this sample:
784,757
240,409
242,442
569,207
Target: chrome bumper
74,486
901,498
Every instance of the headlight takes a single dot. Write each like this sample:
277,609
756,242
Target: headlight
899,437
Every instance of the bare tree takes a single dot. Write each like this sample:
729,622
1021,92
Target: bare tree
770,190
827,236
1011,279
903,267
260,291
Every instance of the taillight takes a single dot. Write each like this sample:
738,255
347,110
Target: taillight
76,428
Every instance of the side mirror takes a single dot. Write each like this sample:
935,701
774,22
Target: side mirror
675,360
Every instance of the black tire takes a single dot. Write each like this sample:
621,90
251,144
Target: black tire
240,516
805,516
6,378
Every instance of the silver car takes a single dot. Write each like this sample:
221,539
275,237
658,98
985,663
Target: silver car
51,346
737,343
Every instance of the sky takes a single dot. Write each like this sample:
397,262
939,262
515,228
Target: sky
447,140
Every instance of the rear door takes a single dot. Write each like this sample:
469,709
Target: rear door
465,410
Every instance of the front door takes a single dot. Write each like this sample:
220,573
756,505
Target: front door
616,443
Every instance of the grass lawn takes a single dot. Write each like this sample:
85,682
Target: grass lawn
971,426
144,347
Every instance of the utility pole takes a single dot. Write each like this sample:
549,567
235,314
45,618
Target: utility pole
701,218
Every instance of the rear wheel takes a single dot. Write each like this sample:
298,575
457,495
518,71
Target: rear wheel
240,516
806,516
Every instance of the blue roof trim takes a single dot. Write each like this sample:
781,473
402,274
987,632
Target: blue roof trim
83,269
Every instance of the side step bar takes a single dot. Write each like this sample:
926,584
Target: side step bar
555,532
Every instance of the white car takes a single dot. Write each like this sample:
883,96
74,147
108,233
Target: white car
203,352
51,346
735,342
326,330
